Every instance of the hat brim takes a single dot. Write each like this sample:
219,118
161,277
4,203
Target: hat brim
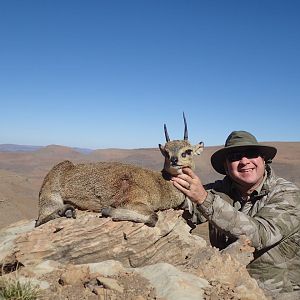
219,157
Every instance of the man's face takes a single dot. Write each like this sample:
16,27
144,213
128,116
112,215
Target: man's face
245,167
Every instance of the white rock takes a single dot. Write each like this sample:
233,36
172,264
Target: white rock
173,284
106,268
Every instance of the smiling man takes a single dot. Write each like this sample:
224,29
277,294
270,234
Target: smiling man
251,200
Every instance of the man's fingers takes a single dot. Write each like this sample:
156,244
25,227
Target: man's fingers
180,187
181,181
184,177
189,172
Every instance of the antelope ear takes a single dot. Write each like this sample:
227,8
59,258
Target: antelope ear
198,148
162,149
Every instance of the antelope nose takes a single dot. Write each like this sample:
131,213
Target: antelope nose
174,160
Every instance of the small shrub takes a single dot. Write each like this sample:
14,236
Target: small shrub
15,290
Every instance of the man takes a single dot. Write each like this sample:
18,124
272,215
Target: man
250,201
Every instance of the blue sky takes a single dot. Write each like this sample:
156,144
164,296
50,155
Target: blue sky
109,74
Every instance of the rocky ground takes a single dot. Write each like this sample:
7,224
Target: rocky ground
95,258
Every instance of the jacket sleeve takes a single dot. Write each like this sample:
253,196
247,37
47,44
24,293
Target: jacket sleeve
276,220
194,214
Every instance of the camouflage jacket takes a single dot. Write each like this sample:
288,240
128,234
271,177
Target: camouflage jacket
270,218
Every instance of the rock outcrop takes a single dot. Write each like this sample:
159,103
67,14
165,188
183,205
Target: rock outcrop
96,258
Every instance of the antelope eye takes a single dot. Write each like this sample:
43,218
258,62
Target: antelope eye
188,152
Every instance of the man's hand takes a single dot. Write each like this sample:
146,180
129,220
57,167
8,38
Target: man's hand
190,184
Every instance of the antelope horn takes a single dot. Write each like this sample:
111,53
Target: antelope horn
186,135
166,133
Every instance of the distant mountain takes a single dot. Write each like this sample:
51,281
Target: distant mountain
83,150
29,148
18,148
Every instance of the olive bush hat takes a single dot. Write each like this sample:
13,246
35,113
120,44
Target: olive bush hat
239,140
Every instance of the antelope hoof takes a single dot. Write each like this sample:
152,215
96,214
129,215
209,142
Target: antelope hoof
152,220
68,212
107,211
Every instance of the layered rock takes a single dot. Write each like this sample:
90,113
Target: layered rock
91,257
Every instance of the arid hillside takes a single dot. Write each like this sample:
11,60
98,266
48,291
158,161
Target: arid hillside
22,173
